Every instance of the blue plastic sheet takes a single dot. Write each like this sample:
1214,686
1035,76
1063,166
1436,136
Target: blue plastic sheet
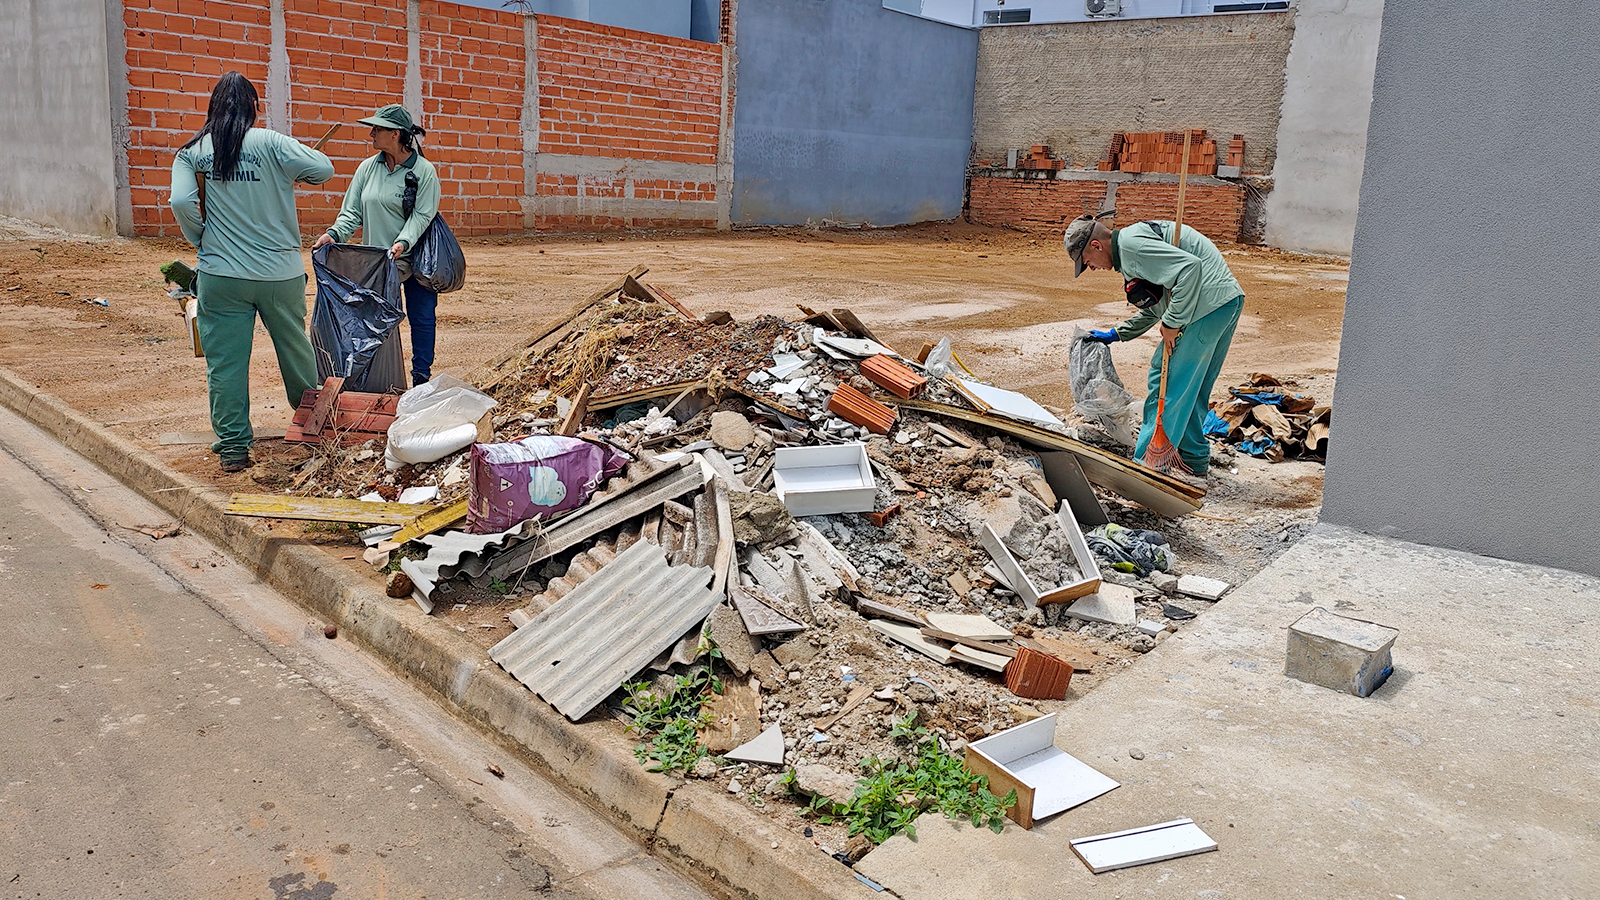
1257,447
1215,426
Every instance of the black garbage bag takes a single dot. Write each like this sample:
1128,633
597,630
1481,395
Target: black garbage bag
436,261
354,325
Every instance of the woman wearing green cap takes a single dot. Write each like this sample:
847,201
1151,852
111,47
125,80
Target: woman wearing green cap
233,196
375,206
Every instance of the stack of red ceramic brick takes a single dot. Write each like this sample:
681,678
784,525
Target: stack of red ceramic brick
1162,151
1032,202
355,417
893,377
857,408
1039,158
1110,162
1236,151
1038,676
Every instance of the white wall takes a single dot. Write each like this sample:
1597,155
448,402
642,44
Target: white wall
1075,10
55,115
1322,132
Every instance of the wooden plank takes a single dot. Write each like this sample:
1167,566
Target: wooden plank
1082,659
855,326
435,519
1002,782
346,420
574,417
322,509
856,698
927,347
978,403
1162,494
324,405
872,609
659,295
611,401
722,560
951,637
955,436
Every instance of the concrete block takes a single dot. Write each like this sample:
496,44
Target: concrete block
1228,171
1340,653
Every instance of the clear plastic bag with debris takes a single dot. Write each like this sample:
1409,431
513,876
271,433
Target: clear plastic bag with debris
941,359
1098,392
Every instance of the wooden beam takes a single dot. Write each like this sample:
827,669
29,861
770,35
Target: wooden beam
611,401
574,416
566,320
324,405
659,295
436,519
323,509
856,698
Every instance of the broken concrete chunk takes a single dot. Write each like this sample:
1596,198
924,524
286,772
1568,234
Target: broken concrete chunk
761,519
1340,653
823,781
738,648
1202,587
1164,582
731,431
1113,604
794,653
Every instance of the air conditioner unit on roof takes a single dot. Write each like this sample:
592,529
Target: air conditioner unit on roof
1102,9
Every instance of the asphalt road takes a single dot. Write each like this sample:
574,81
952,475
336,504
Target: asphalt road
172,729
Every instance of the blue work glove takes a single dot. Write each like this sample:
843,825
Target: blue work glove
1104,335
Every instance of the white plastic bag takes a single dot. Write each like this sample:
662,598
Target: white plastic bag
941,359
434,420
1099,393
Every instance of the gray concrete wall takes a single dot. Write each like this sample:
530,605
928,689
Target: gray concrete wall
55,115
1073,85
1322,134
849,112
1466,413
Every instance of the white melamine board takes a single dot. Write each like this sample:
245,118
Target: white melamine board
1138,846
979,628
1028,753
1011,404
911,636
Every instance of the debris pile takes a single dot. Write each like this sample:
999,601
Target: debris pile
1264,419
793,548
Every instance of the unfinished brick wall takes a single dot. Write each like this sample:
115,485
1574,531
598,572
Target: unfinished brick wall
1032,202
473,73
176,51
610,99
628,125
1048,205
1073,84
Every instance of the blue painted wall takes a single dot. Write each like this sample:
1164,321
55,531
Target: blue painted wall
670,17
849,112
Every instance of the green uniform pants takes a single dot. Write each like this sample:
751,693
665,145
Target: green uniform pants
1195,364
227,323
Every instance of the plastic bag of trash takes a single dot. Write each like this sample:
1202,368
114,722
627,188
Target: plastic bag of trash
434,420
353,326
534,478
1099,393
436,261
941,359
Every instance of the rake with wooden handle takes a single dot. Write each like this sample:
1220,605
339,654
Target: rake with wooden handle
1160,454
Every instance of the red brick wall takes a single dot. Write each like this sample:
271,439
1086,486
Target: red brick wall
1032,202
1216,211
345,60
606,93
176,51
613,93
473,72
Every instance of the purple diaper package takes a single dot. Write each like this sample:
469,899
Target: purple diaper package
534,478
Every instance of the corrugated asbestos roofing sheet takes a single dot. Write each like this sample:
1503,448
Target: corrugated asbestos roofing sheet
610,627
453,552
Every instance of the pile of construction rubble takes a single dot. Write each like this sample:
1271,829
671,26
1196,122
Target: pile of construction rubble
862,534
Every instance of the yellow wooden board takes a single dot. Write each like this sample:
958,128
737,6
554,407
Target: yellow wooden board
322,509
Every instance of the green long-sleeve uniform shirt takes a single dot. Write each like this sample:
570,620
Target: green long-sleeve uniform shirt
1195,272
372,205
250,230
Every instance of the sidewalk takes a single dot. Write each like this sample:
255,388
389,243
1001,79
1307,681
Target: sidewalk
1471,773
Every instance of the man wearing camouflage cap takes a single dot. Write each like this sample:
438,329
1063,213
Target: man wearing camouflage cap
1190,291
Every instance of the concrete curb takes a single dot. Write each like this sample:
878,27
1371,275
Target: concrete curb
690,824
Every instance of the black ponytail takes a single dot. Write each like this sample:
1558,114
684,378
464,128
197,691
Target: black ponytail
408,139
232,113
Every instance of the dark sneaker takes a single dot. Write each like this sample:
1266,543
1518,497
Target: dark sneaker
236,464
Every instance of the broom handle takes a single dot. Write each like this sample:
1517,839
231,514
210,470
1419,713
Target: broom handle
1183,182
